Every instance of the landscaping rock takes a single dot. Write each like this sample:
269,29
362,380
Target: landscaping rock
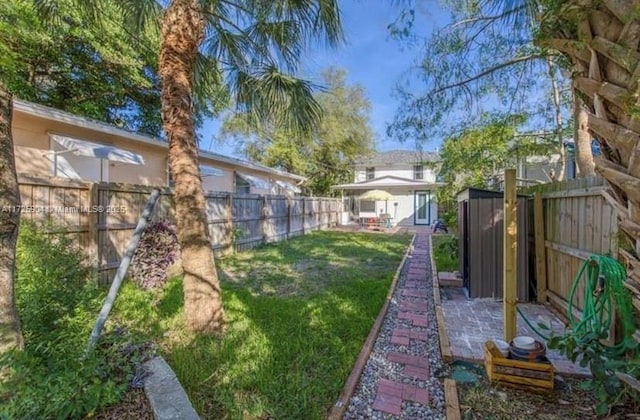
167,397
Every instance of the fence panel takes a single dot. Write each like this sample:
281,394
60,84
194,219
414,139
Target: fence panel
276,218
578,222
101,217
296,226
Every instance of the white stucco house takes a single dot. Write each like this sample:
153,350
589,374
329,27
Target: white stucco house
407,176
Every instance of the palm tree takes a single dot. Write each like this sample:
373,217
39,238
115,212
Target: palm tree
602,40
10,335
243,44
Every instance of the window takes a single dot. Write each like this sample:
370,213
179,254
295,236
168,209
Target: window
418,172
370,173
242,185
367,206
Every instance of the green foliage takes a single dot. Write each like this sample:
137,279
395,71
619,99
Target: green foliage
96,72
298,312
484,61
58,301
603,281
445,252
470,159
590,351
326,155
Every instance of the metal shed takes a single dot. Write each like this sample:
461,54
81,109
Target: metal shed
480,227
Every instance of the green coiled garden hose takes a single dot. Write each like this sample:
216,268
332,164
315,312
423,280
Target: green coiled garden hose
604,290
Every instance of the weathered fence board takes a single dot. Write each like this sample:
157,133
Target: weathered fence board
578,222
101,217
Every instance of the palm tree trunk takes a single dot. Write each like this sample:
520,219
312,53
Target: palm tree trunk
182,31
604,37
10,334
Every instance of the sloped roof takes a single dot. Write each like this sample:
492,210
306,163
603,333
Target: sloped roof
54,114
398,156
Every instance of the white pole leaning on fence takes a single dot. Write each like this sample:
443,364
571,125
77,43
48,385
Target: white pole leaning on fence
122,269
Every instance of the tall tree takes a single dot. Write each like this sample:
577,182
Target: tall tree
326,155
10,334
601,39
274,28
245,45
474,65
87,70
474,157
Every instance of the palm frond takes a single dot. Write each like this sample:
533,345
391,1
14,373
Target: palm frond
210,91
49,11
269,95
141,15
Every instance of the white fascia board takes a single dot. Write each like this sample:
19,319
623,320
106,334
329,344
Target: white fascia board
57,115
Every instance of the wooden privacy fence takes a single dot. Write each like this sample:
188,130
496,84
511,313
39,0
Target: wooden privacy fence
101,217
572,221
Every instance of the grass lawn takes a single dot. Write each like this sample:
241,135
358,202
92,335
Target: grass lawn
445,252
298,313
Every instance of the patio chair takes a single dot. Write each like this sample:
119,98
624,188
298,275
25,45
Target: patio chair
439,225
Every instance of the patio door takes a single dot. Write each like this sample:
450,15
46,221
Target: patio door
422,204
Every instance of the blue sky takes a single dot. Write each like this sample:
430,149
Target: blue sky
371,58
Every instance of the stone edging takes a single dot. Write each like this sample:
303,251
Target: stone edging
450,388
168,399
340,407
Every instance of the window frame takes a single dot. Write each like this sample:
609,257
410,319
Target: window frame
369,173
418,172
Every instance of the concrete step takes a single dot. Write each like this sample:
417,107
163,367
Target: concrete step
447,279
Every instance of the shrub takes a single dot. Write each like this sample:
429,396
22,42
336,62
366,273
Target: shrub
157,250
58,301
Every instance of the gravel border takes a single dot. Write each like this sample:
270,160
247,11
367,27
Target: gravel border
378,366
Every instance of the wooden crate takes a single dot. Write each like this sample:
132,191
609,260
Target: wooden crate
517,373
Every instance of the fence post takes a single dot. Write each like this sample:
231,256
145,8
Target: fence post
228,224
509,275
541,261
288,217
265,220
304,210
94,251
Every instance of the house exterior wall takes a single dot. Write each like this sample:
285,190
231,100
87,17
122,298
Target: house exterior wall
32,144
403,213
400,170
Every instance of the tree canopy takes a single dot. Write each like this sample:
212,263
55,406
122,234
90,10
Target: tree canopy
325,155
90,71
484,61
105,72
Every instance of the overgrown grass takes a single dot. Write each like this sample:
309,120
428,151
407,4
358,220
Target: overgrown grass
445,252
58,301
298,311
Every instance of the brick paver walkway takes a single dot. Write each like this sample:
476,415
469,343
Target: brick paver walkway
412,306
469,323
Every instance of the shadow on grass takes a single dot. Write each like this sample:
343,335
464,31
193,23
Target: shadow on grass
307,265
283,355
280,358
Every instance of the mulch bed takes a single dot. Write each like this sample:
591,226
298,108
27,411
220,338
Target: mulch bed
482,401
134,405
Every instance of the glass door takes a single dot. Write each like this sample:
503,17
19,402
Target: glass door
422,214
